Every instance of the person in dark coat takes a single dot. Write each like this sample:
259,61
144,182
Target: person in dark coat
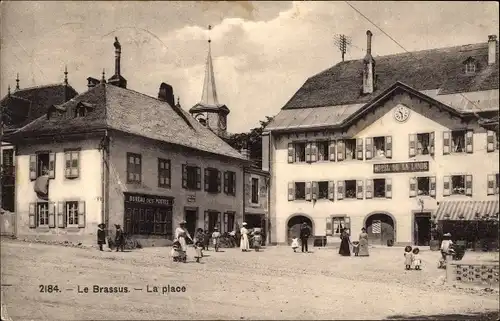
345,243
305,232
101,235
119,238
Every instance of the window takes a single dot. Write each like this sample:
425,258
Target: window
42,164
134,168
72,166
423,143
458,184
8,157
378,147
458,141
350,189
212,180
230,183
492,140
470,67
80,112
191,177
323,147
164,173
493,184
72,213
255,191
338,224
300,191
350,149
42,214
300,152
423,186
379,188
323,190
148,221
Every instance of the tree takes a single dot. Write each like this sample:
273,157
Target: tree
251,140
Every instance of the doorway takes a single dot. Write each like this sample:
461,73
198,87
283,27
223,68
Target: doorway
422,229
191,218
213,221
293,227
380,228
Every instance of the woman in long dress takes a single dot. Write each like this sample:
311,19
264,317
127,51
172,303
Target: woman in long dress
363,243
244,242
344,244
181,234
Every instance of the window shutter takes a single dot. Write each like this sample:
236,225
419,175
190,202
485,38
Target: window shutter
81,214
412,152
291,152
314,152
491,184
233,190
388,188
359,148
75,162
184,176
359,189
446,186
205,222
490,141
226,182
32,167
61,219
432,187
431,143
368,148
291,191
469,141
206,180
369,189
308,191
219,181
413,187
32,215
198,178
331,190
224,226
308,152
446,142
328,228
52,216
340,190
219,221
315,190
331,150
468,185
67,169
340,150
388,146
52,165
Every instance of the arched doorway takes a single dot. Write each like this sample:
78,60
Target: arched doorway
381,228
293,226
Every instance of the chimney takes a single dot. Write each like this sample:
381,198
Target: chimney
492,49
118,53
166,93
245,153
368,66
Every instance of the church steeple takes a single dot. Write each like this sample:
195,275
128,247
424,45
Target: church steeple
209,111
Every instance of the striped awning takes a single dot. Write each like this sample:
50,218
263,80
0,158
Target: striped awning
467,210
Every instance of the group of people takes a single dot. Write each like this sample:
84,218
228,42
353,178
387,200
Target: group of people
360,247
119,237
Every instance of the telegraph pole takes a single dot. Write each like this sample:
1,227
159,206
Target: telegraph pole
342,42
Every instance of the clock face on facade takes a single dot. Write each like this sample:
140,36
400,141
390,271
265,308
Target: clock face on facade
401,113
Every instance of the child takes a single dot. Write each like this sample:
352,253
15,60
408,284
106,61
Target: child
257,240
119,238
295,244
199,237
101,236
198,246
215,238
206,240
355,248
408,257
416,258
175,251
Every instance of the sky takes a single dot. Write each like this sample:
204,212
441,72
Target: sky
262,51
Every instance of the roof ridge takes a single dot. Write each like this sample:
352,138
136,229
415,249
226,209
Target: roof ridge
42,86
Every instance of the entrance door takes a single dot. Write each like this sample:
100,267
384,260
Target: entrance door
213,221
191,217
422,229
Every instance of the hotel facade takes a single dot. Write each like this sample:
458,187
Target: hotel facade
390,143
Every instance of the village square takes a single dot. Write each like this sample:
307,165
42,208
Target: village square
347,168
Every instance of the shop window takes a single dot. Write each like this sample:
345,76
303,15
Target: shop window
300,190
164,173
148,221
72,164
212,180
42,164
379,188
350,189
300,152
323,148
230,183
323,190
134,168
458,141
458,184
423,186
191,177
255,190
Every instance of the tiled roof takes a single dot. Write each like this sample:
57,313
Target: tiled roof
131,112
29,104
441,68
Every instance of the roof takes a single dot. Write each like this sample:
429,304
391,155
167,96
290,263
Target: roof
440,68
29,104
131,112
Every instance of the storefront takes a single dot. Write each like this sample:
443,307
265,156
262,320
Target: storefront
148,215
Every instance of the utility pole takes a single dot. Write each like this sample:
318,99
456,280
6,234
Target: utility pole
342,42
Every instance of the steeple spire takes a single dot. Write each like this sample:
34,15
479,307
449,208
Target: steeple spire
66,75
209,94
103,79
17,82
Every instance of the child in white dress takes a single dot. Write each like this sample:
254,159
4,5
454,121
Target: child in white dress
416,259
408,257
295,244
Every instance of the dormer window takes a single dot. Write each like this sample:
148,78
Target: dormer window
470,65
83,108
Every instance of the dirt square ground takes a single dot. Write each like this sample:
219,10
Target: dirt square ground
273,284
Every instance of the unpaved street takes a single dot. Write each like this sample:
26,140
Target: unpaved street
274,284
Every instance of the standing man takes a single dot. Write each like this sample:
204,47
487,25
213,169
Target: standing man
305,232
